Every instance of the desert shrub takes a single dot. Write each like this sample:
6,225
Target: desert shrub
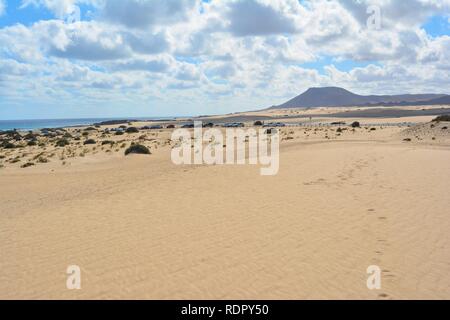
119,133
32,143
90,129
28,164
444,128
407,139
90,141
271,131
85,134
107,142
29,136
42,160
8,145
356,124
132,130
170,126
258,123
62,143
445,117
339,130
137,149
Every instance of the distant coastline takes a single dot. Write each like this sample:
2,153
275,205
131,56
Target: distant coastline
35,124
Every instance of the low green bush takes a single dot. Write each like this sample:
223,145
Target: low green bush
137,149
62,143
445,117
90,141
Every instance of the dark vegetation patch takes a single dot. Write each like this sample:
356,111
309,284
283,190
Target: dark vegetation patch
27,165
90,141
62,143
445,117
137,149
8,145
132,130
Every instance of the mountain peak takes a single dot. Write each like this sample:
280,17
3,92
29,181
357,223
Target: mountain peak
340,97
327,89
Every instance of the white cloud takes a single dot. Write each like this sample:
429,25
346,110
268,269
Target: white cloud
145,13
60,8
157,65
253,18
226,53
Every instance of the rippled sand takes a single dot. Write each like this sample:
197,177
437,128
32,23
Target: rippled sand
141,227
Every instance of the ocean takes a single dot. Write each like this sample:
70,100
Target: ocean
58,123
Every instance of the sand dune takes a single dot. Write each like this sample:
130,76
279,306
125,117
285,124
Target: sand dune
141,227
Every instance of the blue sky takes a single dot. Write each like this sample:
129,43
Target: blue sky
437,26
188,57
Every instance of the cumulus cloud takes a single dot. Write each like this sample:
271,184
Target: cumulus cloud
14,68
145,13
398,13
252,18
188,72
84,41
147,43
60,8
157,65
242,53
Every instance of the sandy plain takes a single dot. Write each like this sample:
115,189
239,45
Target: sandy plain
141,227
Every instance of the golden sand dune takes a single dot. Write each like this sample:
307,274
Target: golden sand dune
141,227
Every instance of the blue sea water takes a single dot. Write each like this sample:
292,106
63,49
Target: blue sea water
59,123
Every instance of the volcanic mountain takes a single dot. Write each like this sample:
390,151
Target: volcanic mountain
339,97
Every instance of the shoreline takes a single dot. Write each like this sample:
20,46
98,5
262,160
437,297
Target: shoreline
262,115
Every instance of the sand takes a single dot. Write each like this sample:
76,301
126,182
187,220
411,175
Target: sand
141,227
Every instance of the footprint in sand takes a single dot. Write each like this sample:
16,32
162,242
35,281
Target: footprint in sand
387,274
